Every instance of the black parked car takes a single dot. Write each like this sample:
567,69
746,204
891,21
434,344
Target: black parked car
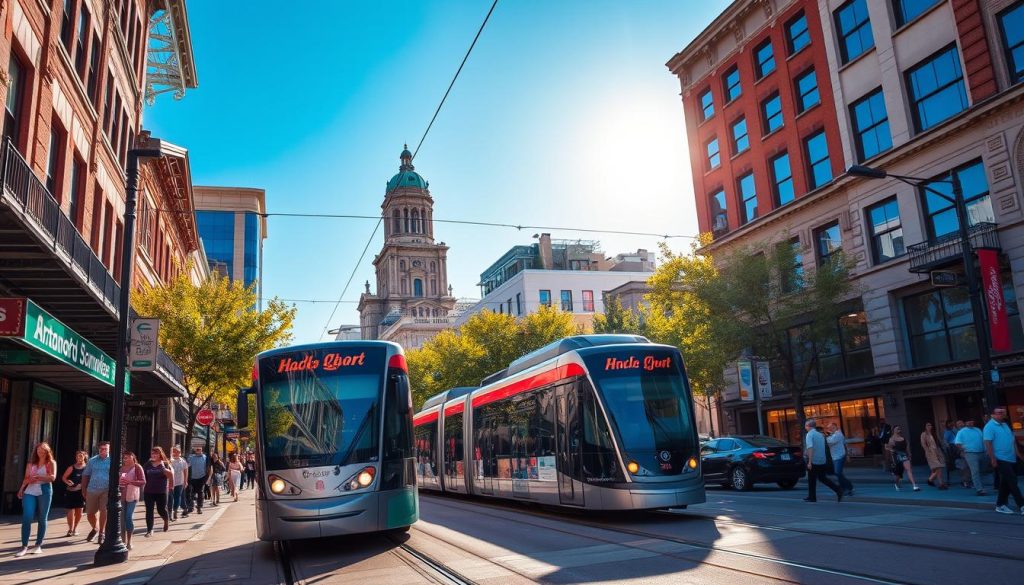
742,461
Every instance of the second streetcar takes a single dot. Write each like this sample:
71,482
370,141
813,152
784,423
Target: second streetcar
601,422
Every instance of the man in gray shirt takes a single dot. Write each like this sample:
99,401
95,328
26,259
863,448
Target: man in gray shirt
198,466
817,468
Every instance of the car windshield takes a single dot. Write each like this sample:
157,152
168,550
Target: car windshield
321,407
764,442
648,402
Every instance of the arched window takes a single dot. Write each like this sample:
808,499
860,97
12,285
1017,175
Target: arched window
433,266
401,264
433,287
423,214
396,222
417,287
415,221
406,212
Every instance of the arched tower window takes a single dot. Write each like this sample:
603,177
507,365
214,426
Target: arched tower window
423,214
401,264
406,213
417,287
396,222
433,287
433,266
415,221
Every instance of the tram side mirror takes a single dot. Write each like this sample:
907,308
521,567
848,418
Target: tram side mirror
242,412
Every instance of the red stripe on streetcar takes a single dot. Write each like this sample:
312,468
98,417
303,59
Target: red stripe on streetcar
456,408
422,419
525,385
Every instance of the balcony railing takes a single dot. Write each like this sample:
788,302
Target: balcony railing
948,249
21,183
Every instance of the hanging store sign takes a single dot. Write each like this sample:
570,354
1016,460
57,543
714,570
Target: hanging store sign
764,381
745,369
143,347
42,331
992,286
12,317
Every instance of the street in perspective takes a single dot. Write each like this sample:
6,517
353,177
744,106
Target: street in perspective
507,291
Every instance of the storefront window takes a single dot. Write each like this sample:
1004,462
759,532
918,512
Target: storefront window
42,425
856,418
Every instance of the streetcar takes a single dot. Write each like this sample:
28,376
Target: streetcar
599,422
335,449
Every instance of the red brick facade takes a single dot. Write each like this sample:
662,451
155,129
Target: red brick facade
787,138
980,74
81,90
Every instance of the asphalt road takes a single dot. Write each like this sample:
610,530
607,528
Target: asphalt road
753,537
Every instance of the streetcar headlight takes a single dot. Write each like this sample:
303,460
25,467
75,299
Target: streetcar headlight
362,478
633,467
278,485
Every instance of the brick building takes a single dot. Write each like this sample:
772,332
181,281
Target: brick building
922,88
74,77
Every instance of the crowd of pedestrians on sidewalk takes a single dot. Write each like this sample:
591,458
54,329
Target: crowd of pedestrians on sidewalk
165,485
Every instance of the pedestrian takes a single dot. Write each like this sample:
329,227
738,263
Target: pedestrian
1003,451
250,470
837,448
936,459
971,443
131,479
884,434
95,484
36,494
949,448
158,474
219,471
179,467
73,500
198,468
897,445
234,474
817,470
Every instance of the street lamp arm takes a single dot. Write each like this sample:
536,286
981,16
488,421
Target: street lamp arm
920,182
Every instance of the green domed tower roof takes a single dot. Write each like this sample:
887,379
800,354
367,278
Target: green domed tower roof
407,175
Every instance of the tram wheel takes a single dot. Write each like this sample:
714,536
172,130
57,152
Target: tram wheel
740,480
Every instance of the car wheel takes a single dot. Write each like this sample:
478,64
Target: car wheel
788,484
740,479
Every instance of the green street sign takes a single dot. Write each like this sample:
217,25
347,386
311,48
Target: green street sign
50,336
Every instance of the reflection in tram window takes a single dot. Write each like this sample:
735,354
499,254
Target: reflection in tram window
453,446
426,462
598,449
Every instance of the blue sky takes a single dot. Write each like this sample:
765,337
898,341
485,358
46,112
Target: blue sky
564,115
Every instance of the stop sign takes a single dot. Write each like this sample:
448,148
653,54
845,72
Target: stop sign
205,417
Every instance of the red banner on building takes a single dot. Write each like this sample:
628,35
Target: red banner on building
992,286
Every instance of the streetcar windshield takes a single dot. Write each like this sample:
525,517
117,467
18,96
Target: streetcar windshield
321,407
649,405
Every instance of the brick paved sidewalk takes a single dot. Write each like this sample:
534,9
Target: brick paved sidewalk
219,546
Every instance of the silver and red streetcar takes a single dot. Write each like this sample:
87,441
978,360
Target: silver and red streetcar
601,422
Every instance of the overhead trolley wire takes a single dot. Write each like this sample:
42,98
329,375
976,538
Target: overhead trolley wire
418,146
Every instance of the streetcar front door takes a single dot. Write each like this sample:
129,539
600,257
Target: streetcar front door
568,437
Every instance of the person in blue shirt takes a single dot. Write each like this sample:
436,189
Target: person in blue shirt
95,486
972,446
1002,449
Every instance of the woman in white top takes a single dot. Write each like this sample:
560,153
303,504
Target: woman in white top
234,474
36,494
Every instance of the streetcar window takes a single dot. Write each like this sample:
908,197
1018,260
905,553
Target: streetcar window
512,437
599,460
426,462
453,453
320,407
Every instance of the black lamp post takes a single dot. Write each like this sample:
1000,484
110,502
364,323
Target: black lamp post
113,549
991,399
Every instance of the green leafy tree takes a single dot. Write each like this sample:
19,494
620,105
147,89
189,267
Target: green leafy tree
486,343
677,315
760,298
617,319
213,331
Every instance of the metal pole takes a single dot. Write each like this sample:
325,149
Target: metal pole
757,398
989,397
113,549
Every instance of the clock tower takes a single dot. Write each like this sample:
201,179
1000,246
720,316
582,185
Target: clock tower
413,298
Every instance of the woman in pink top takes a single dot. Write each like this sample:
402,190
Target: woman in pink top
36,494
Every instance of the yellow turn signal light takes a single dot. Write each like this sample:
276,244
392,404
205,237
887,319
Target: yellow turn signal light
692,463
633,467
